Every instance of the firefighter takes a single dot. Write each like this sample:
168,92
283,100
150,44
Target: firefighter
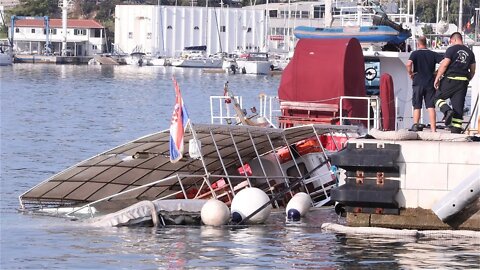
458,66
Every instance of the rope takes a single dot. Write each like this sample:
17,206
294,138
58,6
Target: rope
337,228
473,113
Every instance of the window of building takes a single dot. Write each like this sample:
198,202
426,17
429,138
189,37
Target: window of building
130,34
17,30
196,28
96,33
94,47
249,29
80,32
273,13
318,12
149,35
53,31
223,28
169,27
295,14
305,14
33,31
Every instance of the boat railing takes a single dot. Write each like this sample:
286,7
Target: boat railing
349,16
269,108
220,112
371,102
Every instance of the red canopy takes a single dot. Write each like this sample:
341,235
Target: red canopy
322,70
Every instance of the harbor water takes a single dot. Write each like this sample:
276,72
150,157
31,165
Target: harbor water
53,116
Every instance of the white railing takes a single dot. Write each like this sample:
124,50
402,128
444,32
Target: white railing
364,16
223,112
269,108
371,102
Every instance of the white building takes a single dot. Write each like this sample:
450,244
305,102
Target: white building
167,30
84,37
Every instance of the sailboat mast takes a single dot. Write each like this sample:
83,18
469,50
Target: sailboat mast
460,16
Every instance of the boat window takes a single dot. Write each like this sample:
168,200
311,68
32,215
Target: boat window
372,76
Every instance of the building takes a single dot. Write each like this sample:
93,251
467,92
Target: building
167,30
84,37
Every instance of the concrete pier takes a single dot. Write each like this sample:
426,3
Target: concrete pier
429,170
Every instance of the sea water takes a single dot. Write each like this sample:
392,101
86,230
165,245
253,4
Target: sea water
53,116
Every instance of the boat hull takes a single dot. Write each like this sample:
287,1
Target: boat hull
198,63
365,34
5,59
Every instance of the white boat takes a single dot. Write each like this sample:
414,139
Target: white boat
198,62
136,59
135,182
254,63
156,61
197,59
6,57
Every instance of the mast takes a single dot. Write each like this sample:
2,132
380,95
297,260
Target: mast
460,16
65,4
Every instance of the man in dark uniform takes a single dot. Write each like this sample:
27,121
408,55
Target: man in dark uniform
458,68
421,68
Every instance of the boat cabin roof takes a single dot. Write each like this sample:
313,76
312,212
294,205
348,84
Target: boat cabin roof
143,165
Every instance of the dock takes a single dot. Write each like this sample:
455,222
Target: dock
51,59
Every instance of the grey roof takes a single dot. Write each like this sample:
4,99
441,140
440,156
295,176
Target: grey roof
146,160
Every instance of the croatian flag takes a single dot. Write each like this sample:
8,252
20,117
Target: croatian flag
177,127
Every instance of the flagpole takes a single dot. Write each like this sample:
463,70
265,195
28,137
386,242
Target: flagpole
207,174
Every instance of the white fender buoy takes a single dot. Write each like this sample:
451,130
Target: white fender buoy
215,213
298,206
246,202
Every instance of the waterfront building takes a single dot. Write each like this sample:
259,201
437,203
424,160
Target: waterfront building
167,30
84,37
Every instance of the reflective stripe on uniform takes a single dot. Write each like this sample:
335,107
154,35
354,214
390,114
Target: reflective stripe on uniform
440,103
457,122
458,78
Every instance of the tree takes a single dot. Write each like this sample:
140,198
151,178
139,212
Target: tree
37,8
